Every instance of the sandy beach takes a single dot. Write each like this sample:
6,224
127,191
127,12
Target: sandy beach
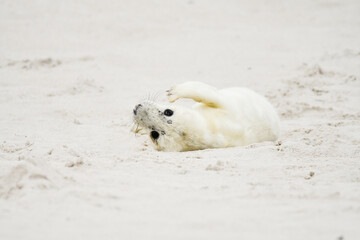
72,71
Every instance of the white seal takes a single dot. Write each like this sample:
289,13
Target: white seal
220,118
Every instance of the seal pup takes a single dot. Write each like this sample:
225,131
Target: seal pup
220,118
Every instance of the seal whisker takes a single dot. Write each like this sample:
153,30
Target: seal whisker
145,97
130,124
151,97
137,129
156,96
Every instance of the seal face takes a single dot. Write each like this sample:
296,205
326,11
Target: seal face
220,118
157,121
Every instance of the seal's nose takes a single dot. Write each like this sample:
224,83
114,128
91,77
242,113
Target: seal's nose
136,108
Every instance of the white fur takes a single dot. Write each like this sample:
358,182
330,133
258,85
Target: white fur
221,118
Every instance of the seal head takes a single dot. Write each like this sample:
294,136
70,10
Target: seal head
159,122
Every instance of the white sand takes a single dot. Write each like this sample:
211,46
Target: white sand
71,72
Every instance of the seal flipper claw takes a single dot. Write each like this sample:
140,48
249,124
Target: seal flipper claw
172,96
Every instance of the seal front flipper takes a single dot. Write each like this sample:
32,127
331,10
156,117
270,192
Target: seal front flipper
198,91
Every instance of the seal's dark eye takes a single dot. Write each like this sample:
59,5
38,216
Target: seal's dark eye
168,112
154,135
